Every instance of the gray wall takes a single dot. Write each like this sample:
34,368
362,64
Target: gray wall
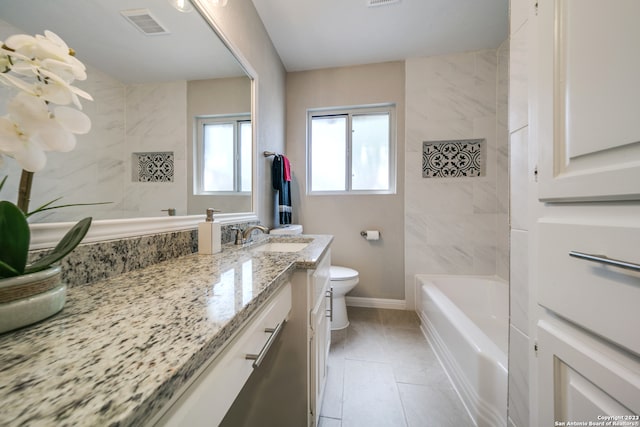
380,263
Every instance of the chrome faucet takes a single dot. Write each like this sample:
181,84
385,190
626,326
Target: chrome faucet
243,237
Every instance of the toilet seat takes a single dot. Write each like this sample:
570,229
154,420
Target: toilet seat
338,273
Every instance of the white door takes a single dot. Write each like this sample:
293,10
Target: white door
586,90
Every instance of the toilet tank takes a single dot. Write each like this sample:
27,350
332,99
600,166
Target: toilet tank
287,229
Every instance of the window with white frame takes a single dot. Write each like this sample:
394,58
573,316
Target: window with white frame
351,150
223,155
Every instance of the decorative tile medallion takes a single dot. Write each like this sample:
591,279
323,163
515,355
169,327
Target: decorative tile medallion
453,159
154,167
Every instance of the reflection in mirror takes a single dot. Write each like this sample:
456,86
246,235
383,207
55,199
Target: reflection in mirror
150,90
222,145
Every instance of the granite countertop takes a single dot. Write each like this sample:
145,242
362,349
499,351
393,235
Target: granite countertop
122,347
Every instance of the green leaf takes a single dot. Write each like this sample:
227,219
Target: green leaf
3,181
43,207
66,245
10,269
14,240
47,207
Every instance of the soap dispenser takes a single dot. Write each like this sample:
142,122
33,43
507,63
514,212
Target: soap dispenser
209,235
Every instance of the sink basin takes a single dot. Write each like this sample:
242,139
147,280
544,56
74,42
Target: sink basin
281,247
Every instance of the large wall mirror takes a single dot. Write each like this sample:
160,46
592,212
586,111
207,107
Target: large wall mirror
171,116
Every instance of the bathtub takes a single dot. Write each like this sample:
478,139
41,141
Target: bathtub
465,319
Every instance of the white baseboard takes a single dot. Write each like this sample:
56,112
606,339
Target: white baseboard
393,304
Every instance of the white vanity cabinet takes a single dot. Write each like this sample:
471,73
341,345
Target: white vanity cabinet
287,389
312,300
206,400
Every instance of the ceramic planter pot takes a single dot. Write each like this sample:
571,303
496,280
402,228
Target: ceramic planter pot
30,298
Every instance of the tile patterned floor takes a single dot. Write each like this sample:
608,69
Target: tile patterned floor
382,372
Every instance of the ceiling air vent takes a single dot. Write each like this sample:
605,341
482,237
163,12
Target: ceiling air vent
374,3
144,21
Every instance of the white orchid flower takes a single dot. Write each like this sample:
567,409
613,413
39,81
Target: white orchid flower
12,80
72,120
54,129
46,58
15,59
58,91
30,129
22,44
5,62
65,70
44,52
41,47
50,87
14,142
42,68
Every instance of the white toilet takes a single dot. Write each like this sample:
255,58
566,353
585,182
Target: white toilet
343,280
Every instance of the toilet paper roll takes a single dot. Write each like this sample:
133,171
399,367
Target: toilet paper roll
372,235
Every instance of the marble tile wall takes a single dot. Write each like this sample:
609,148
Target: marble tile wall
502,153
456,225
156,121
521,173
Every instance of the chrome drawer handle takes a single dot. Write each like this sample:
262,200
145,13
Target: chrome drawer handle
606,260
258,358
329,294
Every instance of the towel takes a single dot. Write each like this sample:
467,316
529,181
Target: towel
287,168
282,185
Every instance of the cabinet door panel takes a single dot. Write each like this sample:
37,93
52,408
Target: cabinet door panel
588,66
583,399
319,350
580,379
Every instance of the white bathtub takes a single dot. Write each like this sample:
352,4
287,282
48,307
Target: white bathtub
465,319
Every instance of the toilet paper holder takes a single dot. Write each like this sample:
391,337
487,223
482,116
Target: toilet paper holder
365,233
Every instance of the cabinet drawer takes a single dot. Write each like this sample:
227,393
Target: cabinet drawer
598,297
207,399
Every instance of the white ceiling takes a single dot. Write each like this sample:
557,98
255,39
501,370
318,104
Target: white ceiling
329,33
307,34
104,39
